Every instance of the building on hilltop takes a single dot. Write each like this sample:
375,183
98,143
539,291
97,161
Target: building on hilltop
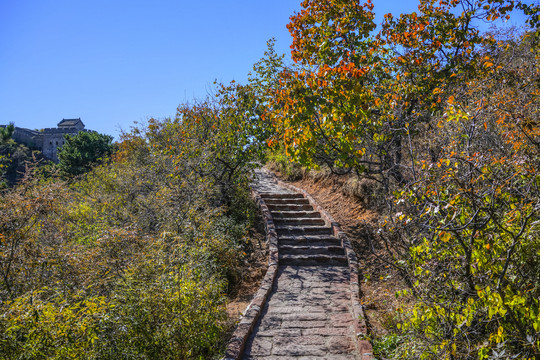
71,124
48,140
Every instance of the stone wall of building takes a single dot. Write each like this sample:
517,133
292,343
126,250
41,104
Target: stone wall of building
52,140
30,138
48,140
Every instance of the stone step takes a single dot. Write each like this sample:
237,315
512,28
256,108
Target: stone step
326,240
281,196
295,201
288,207
295,214
313,259
311,249
299,221
303,230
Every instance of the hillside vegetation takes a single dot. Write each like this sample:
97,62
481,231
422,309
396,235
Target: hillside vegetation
436,119
134,259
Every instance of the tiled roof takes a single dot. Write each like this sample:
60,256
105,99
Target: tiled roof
69,122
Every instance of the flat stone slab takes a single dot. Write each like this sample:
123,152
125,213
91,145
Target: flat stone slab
264,183
308,316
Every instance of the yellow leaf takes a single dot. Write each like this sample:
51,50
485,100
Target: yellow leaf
445,236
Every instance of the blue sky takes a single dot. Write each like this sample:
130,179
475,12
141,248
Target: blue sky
113,62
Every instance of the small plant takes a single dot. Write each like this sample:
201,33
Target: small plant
386,345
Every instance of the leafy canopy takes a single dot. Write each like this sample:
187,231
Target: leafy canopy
82,151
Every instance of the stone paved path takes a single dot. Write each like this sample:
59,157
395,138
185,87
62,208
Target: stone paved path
308,314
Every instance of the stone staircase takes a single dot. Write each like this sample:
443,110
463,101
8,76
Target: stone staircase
307,305
303,236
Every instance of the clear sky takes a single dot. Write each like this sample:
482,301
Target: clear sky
113,62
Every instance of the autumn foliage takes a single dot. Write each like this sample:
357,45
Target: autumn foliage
134,258
444,117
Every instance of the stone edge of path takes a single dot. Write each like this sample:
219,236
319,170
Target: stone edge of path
365,348
237,343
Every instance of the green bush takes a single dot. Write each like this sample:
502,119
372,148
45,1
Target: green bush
278,161
180,314
82,151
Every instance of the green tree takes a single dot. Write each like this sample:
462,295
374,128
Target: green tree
82,151
6,133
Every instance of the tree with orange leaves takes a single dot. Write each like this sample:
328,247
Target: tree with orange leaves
354,97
